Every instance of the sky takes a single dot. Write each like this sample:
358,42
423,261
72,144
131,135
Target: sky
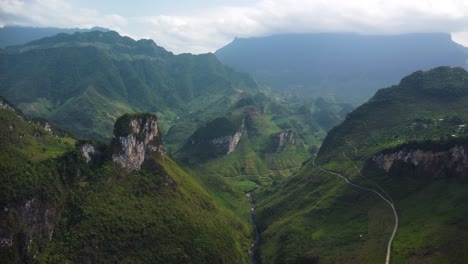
200,26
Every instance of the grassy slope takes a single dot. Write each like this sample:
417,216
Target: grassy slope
98,76
403,113
315,217
84,81
30,141
138,218
108,215
26,154
255,160
31,166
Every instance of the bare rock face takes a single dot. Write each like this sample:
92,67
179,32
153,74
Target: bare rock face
435,164
44,123
136,138
229,142
24,225
5,104
283,139
89,151
217,138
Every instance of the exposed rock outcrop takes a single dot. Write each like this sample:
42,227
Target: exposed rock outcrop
24,225
5,104
44,123
452,162
229,142
281,140
89,151
50,127
217,138
136,138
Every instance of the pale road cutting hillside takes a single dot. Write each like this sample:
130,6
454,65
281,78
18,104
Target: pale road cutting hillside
395,228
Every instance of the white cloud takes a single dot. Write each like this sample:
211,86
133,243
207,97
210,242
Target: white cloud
216,27
56,13
208,29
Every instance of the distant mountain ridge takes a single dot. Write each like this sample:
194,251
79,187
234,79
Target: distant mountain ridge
97,76
340,64
83,81
18,35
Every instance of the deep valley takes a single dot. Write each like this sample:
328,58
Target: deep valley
114,150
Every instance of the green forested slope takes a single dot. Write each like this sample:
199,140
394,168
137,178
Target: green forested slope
317,218
59,208
84,81
98,76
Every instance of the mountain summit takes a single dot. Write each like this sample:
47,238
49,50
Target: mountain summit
19,35
95,77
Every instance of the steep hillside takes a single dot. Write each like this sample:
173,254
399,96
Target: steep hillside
261,139
409,144
84,81
348,66
97,76
124,202
425,105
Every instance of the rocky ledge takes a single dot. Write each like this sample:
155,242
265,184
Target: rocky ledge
229,142
280,141
136,138
89,151
435,163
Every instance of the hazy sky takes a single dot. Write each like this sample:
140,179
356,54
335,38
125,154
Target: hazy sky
205,25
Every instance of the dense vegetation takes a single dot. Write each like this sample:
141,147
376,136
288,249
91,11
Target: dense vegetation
425,105
18,35
59,208
317,218
258,159
85,80
188,205
97,76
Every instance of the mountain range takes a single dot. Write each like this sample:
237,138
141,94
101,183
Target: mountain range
84,81
409,144
19,35
343,65
116,150
97,76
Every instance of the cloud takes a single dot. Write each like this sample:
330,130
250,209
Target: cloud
56,13
213,28
209,29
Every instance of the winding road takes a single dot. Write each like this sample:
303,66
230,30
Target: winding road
388,201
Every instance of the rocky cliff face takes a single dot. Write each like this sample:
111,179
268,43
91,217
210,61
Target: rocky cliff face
136,138
426,163
24,227
89,151
282,140
5,104
230,142
49,127
217,138
44,123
